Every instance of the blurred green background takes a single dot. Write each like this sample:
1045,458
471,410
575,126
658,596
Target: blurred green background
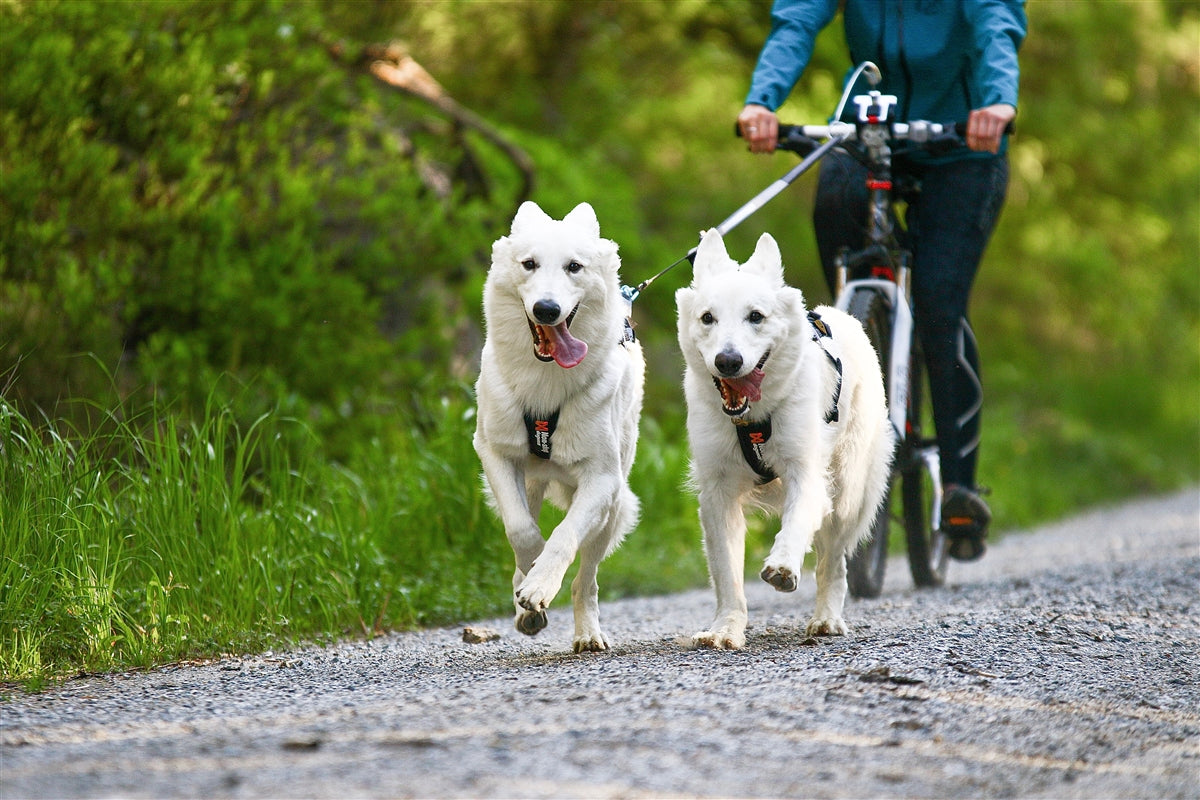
223,229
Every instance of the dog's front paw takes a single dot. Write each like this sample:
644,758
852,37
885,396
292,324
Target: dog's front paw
532,598
541,583
720,639
531,623
827,626
589,638
782,578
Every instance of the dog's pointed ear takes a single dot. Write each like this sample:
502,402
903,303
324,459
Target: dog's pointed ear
767,260
530,213
583,217
711,256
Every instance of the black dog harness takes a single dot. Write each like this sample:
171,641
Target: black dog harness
821,331
541,428
752,436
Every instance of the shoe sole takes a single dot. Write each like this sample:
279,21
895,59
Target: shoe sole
966,527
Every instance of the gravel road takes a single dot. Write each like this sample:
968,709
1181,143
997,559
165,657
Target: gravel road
1065,664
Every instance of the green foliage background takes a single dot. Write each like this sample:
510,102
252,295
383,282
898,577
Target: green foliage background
214,219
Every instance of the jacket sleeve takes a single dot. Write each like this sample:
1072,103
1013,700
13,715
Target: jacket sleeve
999,27
794,28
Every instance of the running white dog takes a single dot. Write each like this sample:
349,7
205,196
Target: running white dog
559,396
797,423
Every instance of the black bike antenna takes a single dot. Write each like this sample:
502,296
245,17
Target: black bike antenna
630,293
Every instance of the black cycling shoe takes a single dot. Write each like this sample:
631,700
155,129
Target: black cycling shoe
965,518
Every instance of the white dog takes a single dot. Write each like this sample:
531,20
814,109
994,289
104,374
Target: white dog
559,396
786,411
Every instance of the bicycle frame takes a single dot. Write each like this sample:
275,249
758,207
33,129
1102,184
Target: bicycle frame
889,262
874,110
902,327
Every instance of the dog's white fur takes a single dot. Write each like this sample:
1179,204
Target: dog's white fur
599,401
832,476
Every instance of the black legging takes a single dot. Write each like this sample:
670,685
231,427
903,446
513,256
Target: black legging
949,224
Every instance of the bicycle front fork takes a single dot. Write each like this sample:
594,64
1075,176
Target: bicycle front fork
893,284
901,273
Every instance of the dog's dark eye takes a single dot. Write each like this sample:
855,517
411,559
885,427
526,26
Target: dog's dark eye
529,264
574,266
707,318
755,317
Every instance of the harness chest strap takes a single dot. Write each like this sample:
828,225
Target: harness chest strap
540,431
821,331
752,436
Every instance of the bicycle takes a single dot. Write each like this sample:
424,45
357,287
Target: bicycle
873,285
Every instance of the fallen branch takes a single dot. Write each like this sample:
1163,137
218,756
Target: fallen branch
401,71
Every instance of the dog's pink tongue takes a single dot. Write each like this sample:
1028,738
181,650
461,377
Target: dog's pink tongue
568,351
748,385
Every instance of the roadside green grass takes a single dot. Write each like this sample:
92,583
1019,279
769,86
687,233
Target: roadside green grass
161,540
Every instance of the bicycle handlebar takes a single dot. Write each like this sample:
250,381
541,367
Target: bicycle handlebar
929,135
803,139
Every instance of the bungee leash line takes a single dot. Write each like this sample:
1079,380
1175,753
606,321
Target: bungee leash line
630,293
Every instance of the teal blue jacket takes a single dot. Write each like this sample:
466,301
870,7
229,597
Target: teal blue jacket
941,58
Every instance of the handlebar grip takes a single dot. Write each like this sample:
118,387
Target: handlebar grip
952,138
960,129
791,138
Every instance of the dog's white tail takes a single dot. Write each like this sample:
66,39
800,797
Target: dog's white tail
863,459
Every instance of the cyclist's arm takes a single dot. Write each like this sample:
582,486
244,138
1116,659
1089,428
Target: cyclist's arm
999,27
786,52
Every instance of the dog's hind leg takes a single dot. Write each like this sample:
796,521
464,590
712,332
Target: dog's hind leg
724,526
585,597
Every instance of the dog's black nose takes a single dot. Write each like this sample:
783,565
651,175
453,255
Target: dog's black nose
728,362
546,311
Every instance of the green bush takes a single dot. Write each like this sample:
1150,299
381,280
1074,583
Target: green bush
196,189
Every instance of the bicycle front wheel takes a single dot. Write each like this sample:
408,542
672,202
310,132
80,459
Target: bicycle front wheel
865,567
921,486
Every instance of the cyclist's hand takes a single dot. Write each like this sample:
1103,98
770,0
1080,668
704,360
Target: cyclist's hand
759,127
985,127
